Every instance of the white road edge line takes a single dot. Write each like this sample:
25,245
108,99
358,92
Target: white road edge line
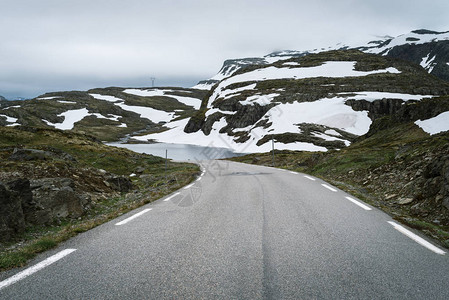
189,186
359,203
310,178
133,217
293,172
416,238
172,196
27,272
329,187
199,178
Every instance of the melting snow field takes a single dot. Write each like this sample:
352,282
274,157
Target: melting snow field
190,101
76,115
331,69
331,112
106,97
70,118
436,124
145,112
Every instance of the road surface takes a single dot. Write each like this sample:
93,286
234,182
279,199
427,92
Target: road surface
241,232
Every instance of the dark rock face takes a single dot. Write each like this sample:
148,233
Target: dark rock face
12,219
120,183
437,180
53,198
376,108
416,53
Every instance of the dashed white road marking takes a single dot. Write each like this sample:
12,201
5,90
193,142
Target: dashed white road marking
27,272
310,178
365,207
293,172
172,196
329,187
416,238
134,216
189,186
199,178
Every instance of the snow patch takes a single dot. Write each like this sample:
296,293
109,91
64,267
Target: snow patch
291,63
49,98
149,113
9,119
333,69
332,132
330,138
70,118
14,106
189,101
106,97
66,102
372,96
203,86
262,100
436,124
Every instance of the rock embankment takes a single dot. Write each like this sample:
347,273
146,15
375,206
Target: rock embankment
41,194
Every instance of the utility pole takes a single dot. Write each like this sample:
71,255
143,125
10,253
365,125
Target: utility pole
272,144
152,81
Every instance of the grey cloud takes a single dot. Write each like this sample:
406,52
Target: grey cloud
73,44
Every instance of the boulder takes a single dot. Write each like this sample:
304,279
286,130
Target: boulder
53,198
119,183
12,221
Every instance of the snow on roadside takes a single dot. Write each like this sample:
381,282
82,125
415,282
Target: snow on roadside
436,124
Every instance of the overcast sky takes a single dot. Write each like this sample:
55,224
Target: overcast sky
55,45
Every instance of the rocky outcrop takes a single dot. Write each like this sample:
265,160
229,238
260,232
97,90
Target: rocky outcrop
54,198
437,180
33,154
12,219
37,202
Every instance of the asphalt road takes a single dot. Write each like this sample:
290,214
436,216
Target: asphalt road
240,232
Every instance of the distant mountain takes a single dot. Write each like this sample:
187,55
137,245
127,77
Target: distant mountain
109,113
314,100
430,49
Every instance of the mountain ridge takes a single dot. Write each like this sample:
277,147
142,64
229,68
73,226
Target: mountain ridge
281,96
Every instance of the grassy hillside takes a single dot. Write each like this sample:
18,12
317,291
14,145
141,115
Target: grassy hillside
47,108
88,162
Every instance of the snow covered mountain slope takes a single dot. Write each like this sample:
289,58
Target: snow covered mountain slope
109,113
314,102
430,49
